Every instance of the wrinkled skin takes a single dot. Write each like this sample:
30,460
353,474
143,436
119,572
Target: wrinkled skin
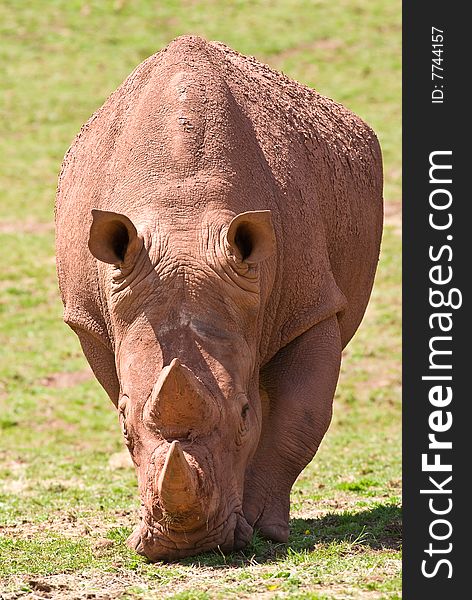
173,323
218,230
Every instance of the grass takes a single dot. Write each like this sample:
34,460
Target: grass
66,503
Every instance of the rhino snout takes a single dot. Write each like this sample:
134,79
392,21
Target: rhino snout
158,544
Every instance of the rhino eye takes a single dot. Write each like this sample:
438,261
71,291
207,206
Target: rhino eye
124,429
245,410
121,409
123,402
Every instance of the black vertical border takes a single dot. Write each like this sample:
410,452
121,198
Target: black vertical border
429,127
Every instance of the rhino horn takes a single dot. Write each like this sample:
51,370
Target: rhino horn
180,400
178,489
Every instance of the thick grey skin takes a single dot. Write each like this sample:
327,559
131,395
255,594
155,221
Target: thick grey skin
300,382
326,208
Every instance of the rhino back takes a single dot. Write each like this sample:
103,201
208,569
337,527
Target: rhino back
328,167
197,111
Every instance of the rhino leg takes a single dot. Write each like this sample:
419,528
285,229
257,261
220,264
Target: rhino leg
101,361
300,382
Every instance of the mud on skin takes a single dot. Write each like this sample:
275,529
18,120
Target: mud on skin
217,233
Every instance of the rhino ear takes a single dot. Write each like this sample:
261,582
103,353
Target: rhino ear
251,236
111,235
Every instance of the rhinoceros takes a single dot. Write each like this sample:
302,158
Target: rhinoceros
217,230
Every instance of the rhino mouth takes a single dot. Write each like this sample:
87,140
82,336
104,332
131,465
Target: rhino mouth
158,543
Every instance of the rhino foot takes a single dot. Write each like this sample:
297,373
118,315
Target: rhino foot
268,513
278,532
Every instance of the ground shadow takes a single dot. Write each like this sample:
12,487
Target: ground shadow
377,528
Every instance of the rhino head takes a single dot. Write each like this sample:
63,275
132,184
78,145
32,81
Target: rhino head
186,305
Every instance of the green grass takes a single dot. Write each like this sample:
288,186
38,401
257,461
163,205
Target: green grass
65,508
